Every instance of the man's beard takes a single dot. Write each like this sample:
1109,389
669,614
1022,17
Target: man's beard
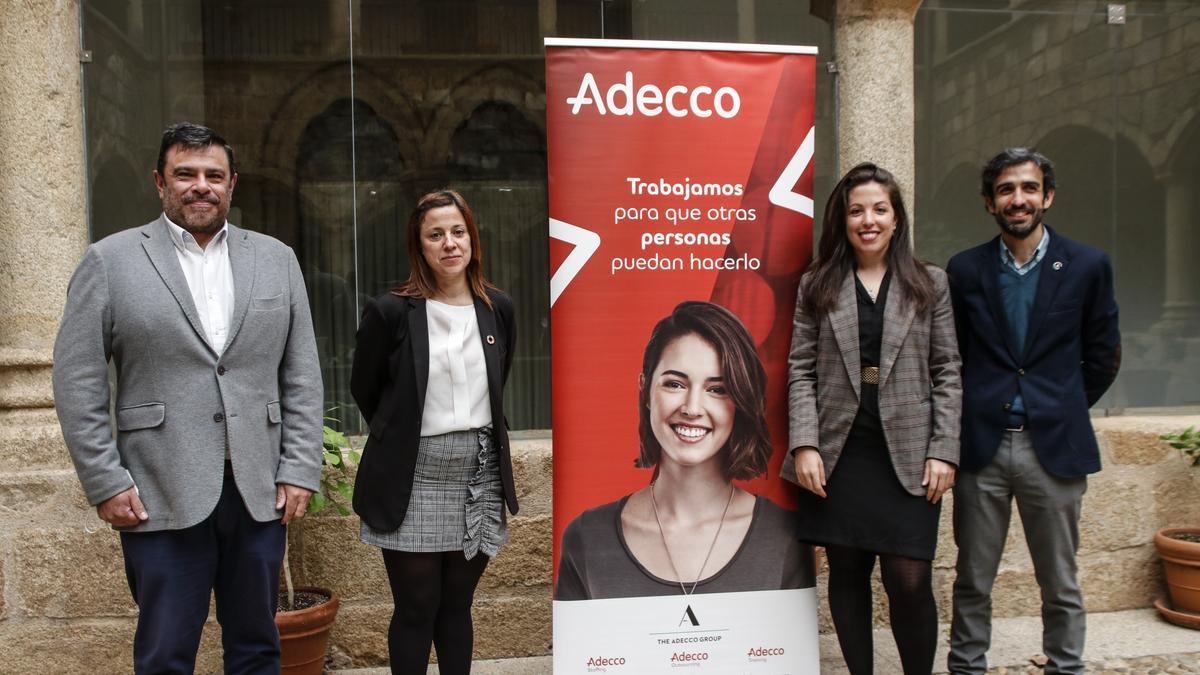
1019,231
197,223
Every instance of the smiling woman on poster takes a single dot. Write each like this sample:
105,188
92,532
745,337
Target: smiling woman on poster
702,395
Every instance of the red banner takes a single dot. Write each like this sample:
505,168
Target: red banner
677,172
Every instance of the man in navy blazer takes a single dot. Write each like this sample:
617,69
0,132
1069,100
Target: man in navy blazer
1037,330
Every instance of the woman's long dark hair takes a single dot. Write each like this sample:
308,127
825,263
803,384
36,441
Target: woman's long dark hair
835,259
421,282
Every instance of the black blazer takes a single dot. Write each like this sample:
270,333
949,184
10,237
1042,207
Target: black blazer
388,381
1071,354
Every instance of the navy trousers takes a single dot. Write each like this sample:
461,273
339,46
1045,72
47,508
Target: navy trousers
173,572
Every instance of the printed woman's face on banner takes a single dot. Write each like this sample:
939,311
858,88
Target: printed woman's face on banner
691,412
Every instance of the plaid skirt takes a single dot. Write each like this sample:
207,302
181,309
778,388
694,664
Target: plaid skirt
457,501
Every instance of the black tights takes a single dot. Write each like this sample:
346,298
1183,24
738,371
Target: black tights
432,594
913,613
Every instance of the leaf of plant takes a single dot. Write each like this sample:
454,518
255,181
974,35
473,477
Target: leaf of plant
346,490
342,509
340,439
317,503
332,458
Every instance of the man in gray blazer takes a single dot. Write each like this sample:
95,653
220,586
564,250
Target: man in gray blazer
218,408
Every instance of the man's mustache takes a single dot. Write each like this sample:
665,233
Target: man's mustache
211,199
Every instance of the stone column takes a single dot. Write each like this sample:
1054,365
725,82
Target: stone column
746,28
62,608
42,185
1181,306
547,18
337,36
874,56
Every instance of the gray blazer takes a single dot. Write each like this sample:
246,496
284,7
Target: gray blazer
920,387
178,404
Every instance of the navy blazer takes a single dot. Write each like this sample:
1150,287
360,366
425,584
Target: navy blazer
1071,354
388,381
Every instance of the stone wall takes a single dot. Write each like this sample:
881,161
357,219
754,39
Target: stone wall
64,602
65,606
1115,107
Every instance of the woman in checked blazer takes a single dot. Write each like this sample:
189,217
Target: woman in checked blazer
874,400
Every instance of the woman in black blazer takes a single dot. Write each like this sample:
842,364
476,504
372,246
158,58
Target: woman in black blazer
431,361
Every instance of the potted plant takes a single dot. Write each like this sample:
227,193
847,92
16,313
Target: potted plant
306,614
1179,549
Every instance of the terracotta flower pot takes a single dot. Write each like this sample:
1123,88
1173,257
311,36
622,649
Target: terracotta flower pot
304,634
1181,563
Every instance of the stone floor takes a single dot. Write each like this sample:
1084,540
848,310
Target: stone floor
1136,642
1146,665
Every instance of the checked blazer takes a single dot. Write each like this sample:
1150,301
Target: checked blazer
920,390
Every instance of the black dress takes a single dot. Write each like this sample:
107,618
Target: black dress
866,507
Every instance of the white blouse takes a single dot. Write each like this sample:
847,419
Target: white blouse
456,396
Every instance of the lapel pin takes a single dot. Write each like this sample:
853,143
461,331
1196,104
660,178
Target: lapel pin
1057,264
491,340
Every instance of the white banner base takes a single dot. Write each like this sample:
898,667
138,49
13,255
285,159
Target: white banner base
754,633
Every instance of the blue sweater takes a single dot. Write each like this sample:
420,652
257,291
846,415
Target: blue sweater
1018,292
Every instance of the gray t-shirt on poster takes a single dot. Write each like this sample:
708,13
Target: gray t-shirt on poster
596,562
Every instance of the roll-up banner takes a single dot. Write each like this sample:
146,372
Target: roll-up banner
681,210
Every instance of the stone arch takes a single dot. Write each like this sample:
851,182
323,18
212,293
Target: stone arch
498,141
334,181
1083,165
949,222
280,146
1181,146
324,150
1108,196
373,253
953,162
501,84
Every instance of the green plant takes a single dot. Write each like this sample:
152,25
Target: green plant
337,488
1187,442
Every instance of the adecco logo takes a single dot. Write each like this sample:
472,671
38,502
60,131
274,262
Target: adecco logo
650,100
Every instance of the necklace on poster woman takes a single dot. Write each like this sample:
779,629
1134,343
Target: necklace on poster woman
699,575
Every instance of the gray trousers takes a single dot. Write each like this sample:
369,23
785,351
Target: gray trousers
1049,508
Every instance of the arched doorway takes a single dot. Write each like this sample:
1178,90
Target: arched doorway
498,158
348,194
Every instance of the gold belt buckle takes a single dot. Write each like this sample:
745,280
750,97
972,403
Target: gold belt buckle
870,375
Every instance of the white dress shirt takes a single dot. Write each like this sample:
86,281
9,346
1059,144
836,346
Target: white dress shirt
456,395
210,280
